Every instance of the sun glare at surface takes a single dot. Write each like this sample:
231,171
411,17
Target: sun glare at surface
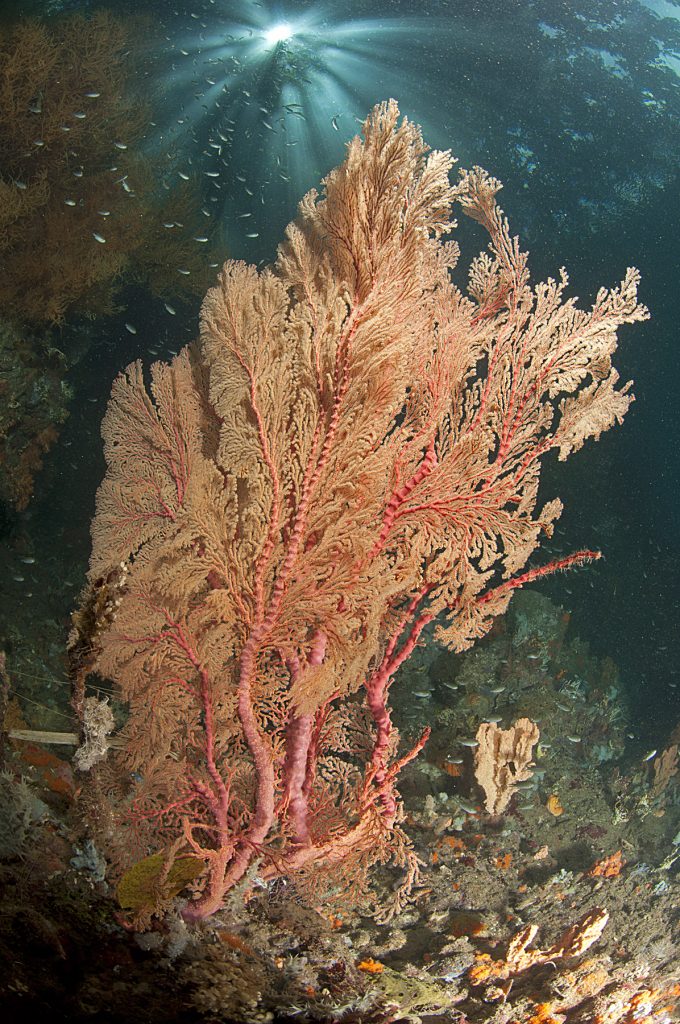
278,33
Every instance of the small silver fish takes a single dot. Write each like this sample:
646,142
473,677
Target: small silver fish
253,234
169,308
181,270
200,238
131,328
92,95
120,145
97,237
469,743
70,202
80,114
183,176
647,757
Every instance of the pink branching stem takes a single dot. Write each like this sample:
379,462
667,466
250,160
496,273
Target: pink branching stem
263,814
220,802
389,775
485,312
216,799
334,849
235,861
128,518
299,733
497,349
265,616
298,738
266,613
376,698
174,681
400,495
136,814
315,743
513,415
577,558
179,472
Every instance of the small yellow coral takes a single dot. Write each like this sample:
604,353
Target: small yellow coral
371,966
